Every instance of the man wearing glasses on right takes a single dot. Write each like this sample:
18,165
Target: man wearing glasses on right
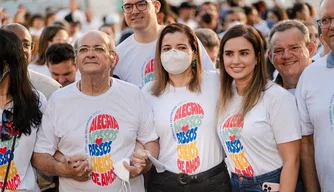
137,52
315,98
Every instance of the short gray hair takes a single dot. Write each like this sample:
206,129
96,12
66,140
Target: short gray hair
289,24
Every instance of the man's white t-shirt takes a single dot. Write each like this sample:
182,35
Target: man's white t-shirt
136,61
251,143
43,69
315,99
186,124
21,175
104,127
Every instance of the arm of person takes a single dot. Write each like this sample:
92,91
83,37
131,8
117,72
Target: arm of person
308,169
290,153
147,140
284,118
76,167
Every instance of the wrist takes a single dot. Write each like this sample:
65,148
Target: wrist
61,169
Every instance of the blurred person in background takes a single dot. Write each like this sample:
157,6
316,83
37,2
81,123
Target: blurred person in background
165,15
186,14
235,15
208,17
50,35
210,42
300,11
34,52
36,24
255,20
60,59
50,18
274,15
91,22
314,36
108,29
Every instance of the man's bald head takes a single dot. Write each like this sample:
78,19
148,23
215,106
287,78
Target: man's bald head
24,35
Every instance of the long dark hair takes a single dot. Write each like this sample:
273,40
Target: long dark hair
26,102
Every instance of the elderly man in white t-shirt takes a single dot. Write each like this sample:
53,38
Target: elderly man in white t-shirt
98,117
315,98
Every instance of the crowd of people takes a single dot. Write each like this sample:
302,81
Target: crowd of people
207,98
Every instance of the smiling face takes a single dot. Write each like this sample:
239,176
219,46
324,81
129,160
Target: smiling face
141,20
288,52
239,59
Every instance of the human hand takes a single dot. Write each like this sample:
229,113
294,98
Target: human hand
78,167
139,164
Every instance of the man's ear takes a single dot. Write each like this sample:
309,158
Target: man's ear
311,48
116,60
157,6
160,18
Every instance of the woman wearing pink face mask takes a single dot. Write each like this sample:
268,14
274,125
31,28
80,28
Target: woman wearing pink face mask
184,100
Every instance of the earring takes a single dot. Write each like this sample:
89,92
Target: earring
193,63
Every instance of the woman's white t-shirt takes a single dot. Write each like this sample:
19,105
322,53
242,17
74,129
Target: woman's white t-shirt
251,143
186,124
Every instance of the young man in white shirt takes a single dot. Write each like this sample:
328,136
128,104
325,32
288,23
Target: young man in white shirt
137,52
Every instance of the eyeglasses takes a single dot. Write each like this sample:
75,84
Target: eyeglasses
97,50
27,45
140,5
325,23
7,128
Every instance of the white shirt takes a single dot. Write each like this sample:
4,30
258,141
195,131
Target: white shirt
43,69
104,127
136,61
315,98
186,124
251,143
22,174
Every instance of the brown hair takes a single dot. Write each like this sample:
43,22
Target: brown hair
161,75
253,91
47,35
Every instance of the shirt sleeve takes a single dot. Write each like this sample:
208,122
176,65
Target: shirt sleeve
46,142
305,121
284,119
146,132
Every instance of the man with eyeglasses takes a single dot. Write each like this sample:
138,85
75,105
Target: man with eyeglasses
42,83
315,99
100,117
137,52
